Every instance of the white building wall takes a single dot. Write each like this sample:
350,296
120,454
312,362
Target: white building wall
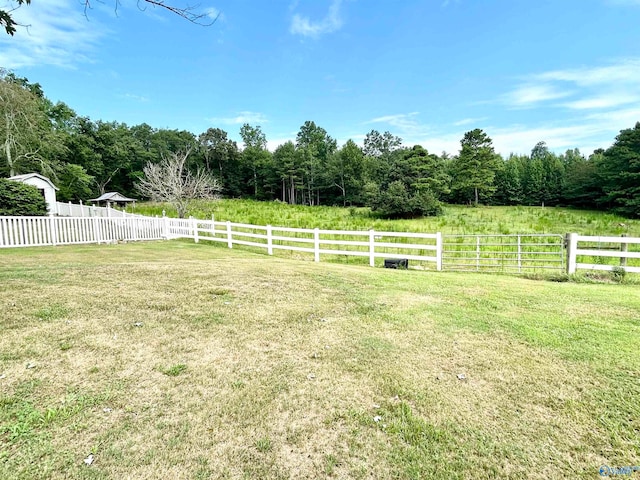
49,193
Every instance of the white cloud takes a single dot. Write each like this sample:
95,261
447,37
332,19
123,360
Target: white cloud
625,71
405,125
332,22
603,101
241,118
57,34
273,143
214,14
606,96
137,98
530,94
468,121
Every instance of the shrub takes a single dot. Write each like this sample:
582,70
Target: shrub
398,202
618,274
18,198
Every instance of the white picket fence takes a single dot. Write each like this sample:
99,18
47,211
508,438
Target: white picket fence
582,252
75,210
42,231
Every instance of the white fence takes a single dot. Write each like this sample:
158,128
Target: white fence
421,247
41,231
75,210
513,253
504,253
601,251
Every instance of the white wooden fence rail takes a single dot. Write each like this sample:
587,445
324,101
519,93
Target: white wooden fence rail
601,248
582,252
316,241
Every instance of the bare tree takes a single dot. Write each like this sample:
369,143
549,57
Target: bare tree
170,181
190,13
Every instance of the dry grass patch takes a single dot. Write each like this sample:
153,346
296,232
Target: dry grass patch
186,361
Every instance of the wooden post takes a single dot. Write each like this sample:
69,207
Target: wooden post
316,244
477,253
165,224
269,240
53,230
229,235
194,228
439,251
572,245
96,230
372,248
624,247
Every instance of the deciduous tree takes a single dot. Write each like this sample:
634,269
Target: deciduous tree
23,123
170,181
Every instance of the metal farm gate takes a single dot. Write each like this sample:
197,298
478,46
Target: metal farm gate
503,253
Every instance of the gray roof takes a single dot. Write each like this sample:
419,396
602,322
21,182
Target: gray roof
112,197
27,176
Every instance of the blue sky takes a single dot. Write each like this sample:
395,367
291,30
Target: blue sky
561,71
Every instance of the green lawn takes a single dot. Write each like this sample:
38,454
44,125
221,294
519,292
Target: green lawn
181,360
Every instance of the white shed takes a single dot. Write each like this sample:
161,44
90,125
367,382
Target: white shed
43,184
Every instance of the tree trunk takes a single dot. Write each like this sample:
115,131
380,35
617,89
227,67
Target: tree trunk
476,192
7,150
255,183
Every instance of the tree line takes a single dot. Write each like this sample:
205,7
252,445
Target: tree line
86,157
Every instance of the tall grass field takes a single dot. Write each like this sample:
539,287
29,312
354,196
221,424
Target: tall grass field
177,360
459,220
544,229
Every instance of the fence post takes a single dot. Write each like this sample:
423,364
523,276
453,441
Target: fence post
519,255
53,230
572,245
477,253
439,251
96,231
624,247
229,235
269,240
81,209
194,228
372,248
108,209
165,225
316,244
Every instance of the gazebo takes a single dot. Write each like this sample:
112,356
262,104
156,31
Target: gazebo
113,198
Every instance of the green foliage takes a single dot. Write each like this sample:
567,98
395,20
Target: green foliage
6,20
397,202
74,183
88,157
18,198
618,274
175,370
475,168
620,173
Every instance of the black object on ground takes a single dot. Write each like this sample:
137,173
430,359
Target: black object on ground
396,263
